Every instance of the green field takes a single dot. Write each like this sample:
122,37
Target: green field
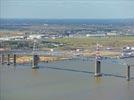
89,42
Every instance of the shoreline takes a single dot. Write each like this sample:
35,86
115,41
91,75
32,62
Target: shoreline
67,55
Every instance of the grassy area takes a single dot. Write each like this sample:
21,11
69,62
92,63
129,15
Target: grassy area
89,42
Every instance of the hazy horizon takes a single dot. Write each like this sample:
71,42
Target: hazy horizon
71,18
67,9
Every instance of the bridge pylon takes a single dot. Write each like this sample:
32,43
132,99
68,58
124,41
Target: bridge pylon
98,62
35,57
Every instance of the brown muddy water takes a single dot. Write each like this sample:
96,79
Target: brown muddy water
67,80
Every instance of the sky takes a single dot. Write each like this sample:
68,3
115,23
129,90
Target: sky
67,9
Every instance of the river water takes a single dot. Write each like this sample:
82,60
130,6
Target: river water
67,80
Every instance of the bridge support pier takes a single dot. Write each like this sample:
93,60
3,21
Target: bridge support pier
2,58
14,59
8,59
97,68
35,61
128,73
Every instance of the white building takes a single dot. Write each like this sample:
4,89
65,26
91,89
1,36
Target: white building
12,38
35,36
111,33
95,35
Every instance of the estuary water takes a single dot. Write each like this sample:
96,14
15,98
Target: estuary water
67,80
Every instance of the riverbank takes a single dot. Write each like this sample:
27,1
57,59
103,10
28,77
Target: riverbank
102,53
28,59
67,55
